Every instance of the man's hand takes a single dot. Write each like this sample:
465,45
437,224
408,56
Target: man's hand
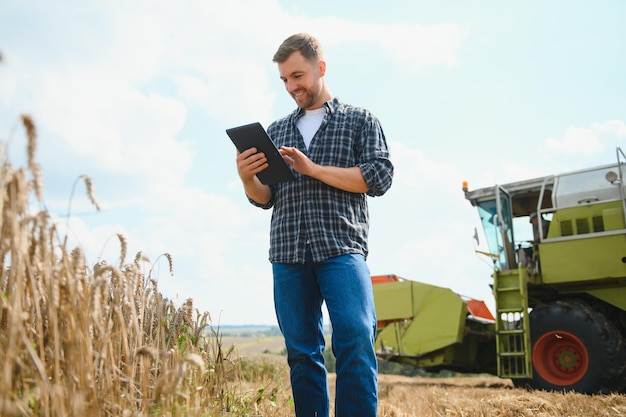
299,161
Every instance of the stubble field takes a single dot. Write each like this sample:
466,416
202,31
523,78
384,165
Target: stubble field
485,396
467,396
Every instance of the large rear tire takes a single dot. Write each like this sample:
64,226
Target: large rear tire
575,348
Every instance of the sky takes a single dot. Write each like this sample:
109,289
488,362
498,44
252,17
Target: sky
137,96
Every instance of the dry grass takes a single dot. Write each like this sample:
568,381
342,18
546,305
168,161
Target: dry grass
100,340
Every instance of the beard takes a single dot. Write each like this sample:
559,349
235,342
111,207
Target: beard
308,99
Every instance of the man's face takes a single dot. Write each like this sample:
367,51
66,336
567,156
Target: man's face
303,80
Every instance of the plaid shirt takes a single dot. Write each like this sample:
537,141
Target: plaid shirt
333,221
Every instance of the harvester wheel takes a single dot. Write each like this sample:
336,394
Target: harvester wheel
575,348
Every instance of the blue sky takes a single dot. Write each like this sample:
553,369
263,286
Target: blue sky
137,96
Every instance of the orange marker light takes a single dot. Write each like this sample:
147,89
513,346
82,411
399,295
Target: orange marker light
464,185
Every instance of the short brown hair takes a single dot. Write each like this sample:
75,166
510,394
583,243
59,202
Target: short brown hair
308,46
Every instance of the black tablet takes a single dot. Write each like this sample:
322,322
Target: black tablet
254,136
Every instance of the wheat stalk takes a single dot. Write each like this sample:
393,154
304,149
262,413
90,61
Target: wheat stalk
101,340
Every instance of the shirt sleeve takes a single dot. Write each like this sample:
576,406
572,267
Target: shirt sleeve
267,205
376,167
378,175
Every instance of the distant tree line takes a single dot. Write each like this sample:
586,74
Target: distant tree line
250,331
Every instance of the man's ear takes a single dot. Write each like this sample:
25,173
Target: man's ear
322,68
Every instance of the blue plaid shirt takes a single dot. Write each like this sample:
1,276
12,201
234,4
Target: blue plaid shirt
333,221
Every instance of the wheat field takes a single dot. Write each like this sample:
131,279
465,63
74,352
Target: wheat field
81,339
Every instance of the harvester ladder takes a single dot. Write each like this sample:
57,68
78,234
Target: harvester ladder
514,356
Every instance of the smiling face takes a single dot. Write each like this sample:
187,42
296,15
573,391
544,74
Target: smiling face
304,80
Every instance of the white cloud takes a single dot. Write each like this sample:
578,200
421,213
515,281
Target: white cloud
228,95
412,46
587,140
576,140
114,125
611,127
418,47
415,170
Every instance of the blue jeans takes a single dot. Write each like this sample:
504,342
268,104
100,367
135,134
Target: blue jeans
345,285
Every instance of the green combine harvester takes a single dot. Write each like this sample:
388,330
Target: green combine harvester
560,319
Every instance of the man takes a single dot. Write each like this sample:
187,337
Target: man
318,233
545,224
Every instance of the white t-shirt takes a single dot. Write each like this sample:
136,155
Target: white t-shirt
309,123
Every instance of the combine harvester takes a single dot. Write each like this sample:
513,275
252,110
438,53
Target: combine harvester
560,319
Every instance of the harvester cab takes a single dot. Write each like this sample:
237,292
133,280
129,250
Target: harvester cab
569,207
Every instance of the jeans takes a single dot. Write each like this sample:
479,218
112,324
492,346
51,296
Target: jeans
345,285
